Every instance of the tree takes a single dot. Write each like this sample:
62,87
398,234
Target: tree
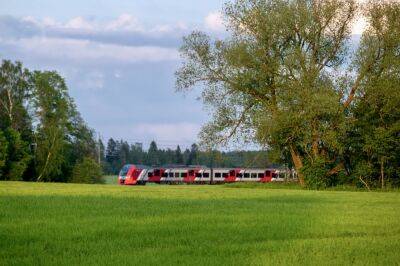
16,155
52,103
153,154
278,80
15,88
374,136
192,157
178,155
3,153
88,171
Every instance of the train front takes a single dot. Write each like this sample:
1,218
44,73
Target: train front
132,175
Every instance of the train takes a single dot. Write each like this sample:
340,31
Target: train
134,174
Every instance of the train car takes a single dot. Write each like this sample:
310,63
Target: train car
174,175
131,174
155,175
255,175
219,175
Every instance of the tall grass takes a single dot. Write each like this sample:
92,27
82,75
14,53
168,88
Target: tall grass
67,224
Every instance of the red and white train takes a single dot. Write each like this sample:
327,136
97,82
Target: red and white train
139,175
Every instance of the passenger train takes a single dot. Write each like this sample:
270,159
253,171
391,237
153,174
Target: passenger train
140,175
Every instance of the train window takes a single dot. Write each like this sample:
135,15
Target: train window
206,175
176,174
198,175
246,175
268,173
260,175
157,172
170,174
165,175
217,175
253,175
274,175
150,174
183,174
225,175
239,175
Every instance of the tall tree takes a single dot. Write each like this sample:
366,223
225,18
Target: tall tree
192,157
279,80
153,154
15,88
178,155
51,104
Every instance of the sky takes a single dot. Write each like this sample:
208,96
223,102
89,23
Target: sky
118,58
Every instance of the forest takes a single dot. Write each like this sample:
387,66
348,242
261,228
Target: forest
118,153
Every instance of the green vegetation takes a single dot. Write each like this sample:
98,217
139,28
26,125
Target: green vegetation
42,135
68,224
289,77
118,153
110,179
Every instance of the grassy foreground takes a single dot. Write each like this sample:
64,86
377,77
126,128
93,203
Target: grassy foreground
64,224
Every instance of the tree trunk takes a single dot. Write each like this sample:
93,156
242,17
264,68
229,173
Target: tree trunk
298,163
10,108
383,173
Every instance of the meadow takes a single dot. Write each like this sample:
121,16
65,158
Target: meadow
70,224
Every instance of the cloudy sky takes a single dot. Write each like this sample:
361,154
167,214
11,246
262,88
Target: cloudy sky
118,58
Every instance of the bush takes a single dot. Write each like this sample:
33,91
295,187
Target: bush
88,171
316,175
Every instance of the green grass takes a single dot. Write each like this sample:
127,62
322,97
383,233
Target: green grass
111,179
68,224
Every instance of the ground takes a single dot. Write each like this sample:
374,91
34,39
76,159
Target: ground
64,224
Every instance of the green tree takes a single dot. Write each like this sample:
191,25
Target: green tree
192,157
3,153
278,80
52,103
374,136
178,155
153,154
17,155
15,89
88,171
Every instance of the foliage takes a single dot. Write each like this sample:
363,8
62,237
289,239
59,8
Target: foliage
88,171
42,135
17,155
282,78
3,152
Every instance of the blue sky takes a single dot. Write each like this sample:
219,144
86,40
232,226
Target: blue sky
118,58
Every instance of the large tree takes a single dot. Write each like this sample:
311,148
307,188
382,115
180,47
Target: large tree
280,78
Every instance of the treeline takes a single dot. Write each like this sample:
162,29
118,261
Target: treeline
42,135
118,153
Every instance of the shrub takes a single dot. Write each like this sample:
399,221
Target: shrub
88,171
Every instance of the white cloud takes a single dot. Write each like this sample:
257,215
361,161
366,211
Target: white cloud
79,23
214,21
84,51
124,22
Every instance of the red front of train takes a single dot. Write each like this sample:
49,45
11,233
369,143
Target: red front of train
132,174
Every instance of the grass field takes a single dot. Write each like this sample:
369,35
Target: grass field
64,224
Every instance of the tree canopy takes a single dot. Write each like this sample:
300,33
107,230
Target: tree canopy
288,78
42,135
